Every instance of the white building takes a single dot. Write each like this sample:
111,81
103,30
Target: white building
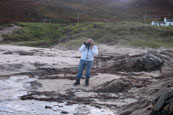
165,22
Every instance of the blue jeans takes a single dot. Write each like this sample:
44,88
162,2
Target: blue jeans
82,65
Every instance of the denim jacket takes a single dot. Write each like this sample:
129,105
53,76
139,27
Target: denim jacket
88,55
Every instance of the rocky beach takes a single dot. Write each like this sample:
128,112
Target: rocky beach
124,81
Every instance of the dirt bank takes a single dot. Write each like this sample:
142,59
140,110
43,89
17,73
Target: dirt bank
7,30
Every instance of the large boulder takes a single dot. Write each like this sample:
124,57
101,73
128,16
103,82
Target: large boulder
146,62
150,61
163,105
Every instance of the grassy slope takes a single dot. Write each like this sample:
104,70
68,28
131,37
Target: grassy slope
121,33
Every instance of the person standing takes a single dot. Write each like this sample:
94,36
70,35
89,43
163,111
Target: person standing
88,50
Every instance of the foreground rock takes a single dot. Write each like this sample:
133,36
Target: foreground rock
146,103
163,105
141,107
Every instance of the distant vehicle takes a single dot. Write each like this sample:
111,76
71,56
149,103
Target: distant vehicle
165,22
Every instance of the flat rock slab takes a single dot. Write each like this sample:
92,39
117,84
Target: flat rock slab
18,59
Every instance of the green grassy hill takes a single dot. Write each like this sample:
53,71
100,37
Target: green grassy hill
111,33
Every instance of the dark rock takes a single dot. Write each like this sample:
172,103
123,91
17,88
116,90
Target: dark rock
114,86
8,52
138,108
97,106
147,62
51,73
128,112
163,105
24,53
48,107
35,85
65,112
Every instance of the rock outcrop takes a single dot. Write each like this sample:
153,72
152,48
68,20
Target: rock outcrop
163,105
147,62
150,61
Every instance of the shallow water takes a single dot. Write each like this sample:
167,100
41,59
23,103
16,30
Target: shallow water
10,104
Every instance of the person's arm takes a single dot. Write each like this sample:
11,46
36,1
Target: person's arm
95,51
81,49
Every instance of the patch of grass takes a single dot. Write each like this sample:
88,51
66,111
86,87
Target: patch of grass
73,34
36,34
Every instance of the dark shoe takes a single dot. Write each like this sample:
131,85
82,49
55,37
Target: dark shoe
77,82
87,82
